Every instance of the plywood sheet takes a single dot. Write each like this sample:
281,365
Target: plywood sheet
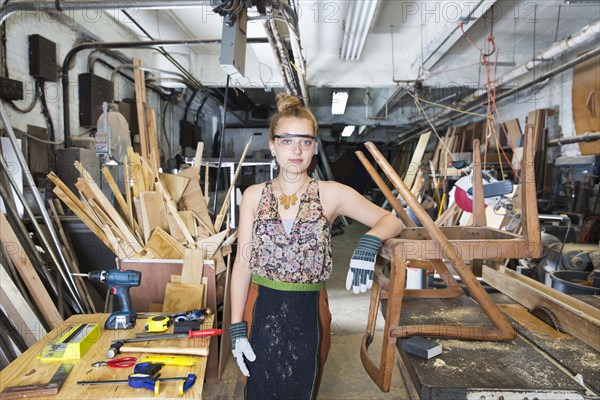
586,102
181,297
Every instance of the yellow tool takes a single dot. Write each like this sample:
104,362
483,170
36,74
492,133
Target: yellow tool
171,360
158,323
72,344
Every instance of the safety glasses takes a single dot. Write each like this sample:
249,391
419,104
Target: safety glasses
306,142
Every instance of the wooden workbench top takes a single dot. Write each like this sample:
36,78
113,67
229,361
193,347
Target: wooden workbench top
29,370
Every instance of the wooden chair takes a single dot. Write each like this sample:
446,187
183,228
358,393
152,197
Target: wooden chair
453,244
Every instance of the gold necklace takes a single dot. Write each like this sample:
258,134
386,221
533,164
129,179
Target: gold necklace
287,201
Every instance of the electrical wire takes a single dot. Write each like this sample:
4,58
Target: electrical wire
29,108
37,139
418,105
45,110
164,128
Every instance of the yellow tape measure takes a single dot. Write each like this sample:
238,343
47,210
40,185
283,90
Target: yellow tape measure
157,323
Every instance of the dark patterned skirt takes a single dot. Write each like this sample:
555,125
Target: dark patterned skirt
289,330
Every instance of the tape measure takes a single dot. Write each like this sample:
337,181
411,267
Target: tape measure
158,323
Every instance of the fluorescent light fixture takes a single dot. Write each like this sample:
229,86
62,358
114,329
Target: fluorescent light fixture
338,103
356,27
348,130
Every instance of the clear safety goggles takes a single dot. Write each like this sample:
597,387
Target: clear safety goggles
306,142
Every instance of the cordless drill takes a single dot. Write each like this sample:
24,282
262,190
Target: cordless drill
118,281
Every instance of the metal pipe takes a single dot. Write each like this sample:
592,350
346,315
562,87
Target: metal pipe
119,67
64,272
118,45
71,5
585,137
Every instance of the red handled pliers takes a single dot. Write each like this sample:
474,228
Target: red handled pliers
124,362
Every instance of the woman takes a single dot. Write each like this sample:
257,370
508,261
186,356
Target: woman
279,310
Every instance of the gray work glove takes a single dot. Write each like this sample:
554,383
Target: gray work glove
240,346
362,264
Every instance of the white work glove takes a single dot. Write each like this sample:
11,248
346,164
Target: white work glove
362,264
240,346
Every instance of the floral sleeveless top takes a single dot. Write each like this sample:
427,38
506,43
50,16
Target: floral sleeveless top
303,256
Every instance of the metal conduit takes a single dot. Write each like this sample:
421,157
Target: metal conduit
70,5
118,45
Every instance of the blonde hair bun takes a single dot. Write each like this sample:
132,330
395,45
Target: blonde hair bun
285,101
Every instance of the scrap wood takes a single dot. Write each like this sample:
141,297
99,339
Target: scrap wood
70,255
162,245
152,213
38,292
174,184
211,244
136,174
193,199
79,210
123,204
18,310
193,262
96,193
173,213
221,216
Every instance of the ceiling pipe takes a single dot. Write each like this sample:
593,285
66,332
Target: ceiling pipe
584,137
70,5
587,33
442,120
152,44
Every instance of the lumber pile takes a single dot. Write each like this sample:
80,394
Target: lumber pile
159,216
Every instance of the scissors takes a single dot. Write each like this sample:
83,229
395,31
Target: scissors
124,362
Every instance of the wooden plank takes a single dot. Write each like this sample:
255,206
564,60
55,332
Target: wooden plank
140,100
123,204
171,210
225,206
103,202
83,216
28,274
191,274
188,219
136,173
72,259
211,244
18,310
155,276
164,246
586,102
174,184
180,297
193,200
152,213
153,150
575,317
417,156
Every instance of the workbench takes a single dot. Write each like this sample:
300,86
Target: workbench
540,363
29,370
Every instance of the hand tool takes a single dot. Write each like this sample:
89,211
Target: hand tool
142,337
119,347
171,360
44,389
123,362
118,281
190,315
147,368
146,381
158,323
185,326
72,344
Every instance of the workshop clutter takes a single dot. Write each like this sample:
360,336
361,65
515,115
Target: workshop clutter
160,215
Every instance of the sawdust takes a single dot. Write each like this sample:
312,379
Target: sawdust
591,360
454,314
474,345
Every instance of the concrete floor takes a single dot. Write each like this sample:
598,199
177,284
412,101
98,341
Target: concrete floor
344,376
